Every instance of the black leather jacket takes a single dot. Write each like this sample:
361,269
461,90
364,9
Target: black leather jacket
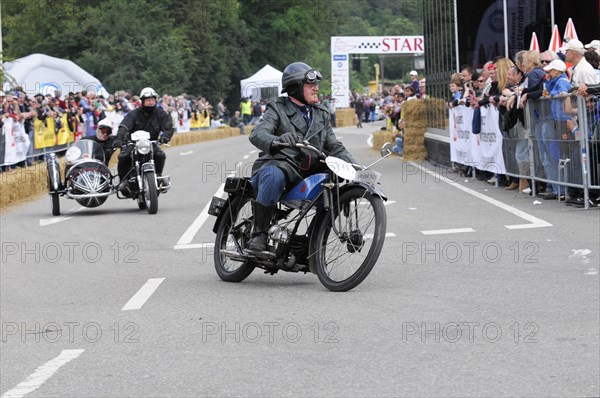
154,123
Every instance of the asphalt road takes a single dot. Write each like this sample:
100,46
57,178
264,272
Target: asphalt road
478,292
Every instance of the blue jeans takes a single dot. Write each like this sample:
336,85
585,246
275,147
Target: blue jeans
269,184
399,148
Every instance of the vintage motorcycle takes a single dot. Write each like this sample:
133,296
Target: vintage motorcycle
88,180
332,224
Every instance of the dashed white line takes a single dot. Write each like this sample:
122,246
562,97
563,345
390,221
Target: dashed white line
189,234
42,374
49,221
447,231
195,246
246,157
186,153
142,295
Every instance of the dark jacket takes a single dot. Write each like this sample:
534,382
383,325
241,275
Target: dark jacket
283,116
154,123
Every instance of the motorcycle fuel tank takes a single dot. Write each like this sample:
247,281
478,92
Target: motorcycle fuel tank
305,191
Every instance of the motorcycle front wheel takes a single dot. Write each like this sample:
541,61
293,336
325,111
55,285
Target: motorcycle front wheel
150,192
236,224
347,247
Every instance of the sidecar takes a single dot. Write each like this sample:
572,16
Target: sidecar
87,179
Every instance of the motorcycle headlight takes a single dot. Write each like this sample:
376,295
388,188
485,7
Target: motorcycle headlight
143,146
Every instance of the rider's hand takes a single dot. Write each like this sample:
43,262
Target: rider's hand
289,138
163,140
117,144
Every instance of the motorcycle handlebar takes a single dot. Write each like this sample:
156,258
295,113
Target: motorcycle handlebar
306,145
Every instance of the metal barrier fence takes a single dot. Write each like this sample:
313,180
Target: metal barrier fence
558,145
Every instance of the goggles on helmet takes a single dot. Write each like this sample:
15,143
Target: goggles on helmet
313,76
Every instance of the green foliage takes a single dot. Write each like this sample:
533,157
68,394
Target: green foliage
202,47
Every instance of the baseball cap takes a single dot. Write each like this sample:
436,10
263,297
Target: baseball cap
556,64
413,73
595,44
574,45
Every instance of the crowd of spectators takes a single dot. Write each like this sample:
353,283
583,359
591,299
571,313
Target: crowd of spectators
509,85
83,111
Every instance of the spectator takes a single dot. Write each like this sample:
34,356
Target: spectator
332,112
359,109
582,73
246,110
415,83
256,113
235,122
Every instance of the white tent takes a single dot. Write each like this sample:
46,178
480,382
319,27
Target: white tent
39,73
264,84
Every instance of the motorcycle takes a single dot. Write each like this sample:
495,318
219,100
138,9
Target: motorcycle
88,180
142,183
331,224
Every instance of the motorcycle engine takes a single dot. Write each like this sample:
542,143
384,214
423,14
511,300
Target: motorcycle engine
278,237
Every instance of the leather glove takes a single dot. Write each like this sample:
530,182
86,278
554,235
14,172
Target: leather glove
288,138
117,144
163,140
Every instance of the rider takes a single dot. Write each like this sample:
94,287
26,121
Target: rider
148,118
105,138
296,118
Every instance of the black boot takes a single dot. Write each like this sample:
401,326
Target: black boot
262,222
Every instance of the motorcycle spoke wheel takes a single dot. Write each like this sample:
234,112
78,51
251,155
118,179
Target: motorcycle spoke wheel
150,193
236,224
347,250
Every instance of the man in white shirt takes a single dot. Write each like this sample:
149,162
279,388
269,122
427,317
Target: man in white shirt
582,73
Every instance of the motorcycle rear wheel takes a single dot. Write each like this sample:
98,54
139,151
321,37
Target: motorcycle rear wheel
239,215
345,258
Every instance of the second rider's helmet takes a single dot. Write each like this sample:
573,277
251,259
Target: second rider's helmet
104,130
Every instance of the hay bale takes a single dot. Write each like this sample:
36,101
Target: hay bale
345,117
380,137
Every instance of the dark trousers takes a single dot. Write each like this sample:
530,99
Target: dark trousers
125,162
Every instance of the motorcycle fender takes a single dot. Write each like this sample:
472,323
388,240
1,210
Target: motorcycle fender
222,213
372,190
54,183
146,167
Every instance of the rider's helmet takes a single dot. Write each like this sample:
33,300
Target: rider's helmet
104,130
295,75
148,92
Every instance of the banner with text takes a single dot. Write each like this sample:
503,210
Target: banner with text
482,151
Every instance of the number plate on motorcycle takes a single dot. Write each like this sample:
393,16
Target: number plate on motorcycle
369,176
341,168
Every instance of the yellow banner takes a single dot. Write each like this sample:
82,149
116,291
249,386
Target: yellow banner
195,121
65,135
44,135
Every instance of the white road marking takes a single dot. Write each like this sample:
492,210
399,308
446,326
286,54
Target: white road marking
592,271
253,151
195,246
42,374
447,231
534,221
387,235
246,157
49,221
186,153
189,234
142,295
370,141
389,202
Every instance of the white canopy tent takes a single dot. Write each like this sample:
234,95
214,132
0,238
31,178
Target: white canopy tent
39,73
264,84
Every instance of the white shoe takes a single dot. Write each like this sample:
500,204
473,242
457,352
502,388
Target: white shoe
492,180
